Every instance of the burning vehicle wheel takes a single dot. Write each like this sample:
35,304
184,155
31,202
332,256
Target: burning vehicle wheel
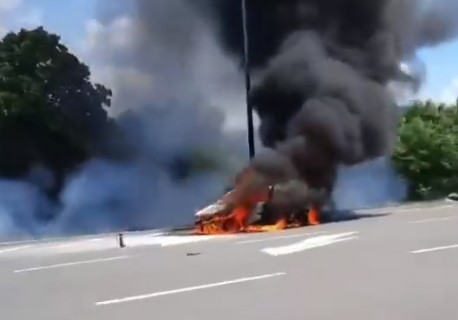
230,226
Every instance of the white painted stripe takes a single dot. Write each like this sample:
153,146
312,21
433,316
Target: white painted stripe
431,220
70,264
310,243
177,240
166,241
73,244
189,289
11,243
8,250
302,235
453,246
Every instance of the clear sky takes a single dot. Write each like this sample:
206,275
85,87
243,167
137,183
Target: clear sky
442,71
69,17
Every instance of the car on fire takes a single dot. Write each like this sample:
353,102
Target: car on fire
223,216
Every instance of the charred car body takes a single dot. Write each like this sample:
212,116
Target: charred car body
273,207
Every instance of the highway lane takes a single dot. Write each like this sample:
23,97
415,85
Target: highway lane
400,266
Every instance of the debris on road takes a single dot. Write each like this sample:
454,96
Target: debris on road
192,254
121,241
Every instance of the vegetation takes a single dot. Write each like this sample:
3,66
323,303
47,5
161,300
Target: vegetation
50,112
426,154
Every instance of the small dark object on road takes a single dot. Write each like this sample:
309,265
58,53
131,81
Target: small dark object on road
192,254
121,241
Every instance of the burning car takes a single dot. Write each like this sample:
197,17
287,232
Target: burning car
270,208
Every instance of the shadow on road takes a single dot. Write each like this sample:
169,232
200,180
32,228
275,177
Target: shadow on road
349,215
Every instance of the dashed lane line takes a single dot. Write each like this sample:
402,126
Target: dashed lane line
189,289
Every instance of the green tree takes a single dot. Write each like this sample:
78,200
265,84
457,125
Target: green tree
50,112
426,154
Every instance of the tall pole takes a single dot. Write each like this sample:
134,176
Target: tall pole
249,106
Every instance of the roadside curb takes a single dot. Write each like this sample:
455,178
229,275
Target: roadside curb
406,207
155,232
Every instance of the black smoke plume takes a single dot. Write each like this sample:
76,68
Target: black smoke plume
322,70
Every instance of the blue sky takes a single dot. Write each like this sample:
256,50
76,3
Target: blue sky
68,19
64,17
442,67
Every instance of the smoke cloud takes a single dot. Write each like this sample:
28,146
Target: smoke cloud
437,22
179,102
323,70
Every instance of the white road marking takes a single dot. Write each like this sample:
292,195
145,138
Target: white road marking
453,246
166,241
73,244
13,249
431,220
177,240
281,237
70,264
10,243
189,289
310,243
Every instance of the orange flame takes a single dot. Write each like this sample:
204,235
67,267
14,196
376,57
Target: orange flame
238,221
313,216
247,197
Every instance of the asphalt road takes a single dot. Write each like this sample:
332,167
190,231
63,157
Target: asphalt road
400,266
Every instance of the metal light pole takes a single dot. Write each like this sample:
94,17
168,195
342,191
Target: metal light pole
249,105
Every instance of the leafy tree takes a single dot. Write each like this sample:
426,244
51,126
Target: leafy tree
427,151
50,112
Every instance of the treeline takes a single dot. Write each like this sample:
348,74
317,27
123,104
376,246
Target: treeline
426,154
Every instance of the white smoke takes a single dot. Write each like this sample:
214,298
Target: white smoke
368,185
184,98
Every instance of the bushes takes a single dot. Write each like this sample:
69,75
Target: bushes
426,154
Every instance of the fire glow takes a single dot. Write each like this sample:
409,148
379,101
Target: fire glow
234,212
237,222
